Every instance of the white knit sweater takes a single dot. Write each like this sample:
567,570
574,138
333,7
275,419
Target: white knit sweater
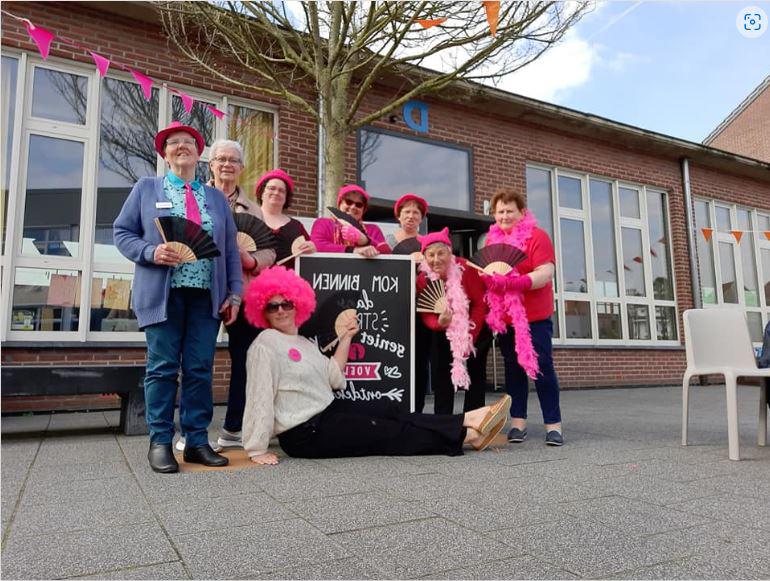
281,393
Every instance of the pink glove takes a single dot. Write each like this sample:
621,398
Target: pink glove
495,282
351,235
518,283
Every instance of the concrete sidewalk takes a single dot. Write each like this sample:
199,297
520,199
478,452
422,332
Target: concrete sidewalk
620,500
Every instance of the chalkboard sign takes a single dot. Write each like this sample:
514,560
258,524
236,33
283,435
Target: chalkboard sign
381,361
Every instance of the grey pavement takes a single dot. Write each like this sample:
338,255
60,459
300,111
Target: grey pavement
621,500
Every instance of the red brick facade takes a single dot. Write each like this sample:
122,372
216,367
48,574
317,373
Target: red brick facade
501,149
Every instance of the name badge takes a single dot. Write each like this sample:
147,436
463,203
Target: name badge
163,205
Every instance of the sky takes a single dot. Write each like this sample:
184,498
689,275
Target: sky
677,68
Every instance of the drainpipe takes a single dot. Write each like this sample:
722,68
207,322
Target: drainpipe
321,164
691,235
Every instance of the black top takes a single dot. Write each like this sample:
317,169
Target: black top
287,234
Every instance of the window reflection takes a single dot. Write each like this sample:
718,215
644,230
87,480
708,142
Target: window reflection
754,321
539,198
638,322
603,233
577,319
766,273
110,303
665,323
610,326
8,72
45,300
573,256
253,129
723,219
629,203
657,218
727,270
633,262
52,198
200,117
748,261
705,255
59,96
570,193
438,172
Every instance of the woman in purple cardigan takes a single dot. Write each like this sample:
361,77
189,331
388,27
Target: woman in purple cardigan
330,235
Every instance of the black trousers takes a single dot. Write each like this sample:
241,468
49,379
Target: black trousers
241,335
375,428
433,347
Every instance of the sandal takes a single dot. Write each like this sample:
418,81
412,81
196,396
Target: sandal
490,436
497,411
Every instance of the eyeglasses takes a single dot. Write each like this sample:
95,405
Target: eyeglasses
230,160
356,204
186,141
273,307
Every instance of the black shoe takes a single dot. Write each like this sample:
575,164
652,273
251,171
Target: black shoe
204,455
554,438
161,457
517,436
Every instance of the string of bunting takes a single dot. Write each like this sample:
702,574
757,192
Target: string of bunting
737,234
491,7
43,38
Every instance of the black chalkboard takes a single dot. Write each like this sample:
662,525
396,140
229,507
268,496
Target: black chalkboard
381,361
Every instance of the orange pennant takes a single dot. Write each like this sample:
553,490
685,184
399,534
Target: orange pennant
493,12
707,232
426,24
738,235
767,234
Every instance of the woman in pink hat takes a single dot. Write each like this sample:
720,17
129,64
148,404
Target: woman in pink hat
331,235
410,210
179,305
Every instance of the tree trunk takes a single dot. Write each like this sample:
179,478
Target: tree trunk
336,133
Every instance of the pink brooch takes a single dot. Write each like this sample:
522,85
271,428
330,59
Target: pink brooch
295,355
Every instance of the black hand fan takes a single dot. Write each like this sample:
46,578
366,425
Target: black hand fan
498,258
409,246
253,233
432,299
187,238
347,218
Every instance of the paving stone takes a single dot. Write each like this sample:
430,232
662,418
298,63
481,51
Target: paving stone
173,570
83,450
731,508
352,568
417,548
245,552
70,472
655,490
696,567
78,421
85,552
41,491
524,567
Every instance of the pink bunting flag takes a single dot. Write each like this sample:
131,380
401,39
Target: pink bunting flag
102,64
217,113
146,83
186,100
41,37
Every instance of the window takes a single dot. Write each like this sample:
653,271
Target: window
614,278
76,165
390,165
734,260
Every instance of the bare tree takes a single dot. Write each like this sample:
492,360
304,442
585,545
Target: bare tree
325,57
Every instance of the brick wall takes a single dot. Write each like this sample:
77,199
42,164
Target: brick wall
749,133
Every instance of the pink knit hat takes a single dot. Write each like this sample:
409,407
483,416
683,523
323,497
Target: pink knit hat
441,236
411,198
276,174
350,189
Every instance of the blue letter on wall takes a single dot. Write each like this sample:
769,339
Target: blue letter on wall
409,107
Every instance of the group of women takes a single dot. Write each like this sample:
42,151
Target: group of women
280,384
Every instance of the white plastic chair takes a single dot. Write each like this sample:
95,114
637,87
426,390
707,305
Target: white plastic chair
717,342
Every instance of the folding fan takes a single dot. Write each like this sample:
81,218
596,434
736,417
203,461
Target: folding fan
409,246
340,324
295,250
498,258
187,238
347,218
432,299
253,233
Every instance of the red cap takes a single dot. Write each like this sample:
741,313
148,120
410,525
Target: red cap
350,189
276,174
160,138
411,198
441,236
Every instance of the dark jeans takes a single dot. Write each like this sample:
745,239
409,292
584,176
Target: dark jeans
240,335
186,339
373,428
546,384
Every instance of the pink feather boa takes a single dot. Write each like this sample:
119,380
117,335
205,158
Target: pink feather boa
505,305
459,330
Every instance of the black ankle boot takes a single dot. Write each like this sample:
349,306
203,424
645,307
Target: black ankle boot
204,455
161,457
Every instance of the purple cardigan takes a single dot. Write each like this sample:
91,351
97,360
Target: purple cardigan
136,237
326,236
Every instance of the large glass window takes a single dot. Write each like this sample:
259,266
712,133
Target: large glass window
705,254
59,96
539,197
660,259
391,165
633,262
254,130
603,233
45,300
8,74
573,256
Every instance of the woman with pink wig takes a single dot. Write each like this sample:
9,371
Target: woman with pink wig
332,235
290,392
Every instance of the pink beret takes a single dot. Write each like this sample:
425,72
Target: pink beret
160,138
276,174
350,189
411,198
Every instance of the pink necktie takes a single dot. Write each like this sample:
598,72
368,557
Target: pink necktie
191,205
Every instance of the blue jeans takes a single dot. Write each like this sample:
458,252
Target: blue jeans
186,339
547,384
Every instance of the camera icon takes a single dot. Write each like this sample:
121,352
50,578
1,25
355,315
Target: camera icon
752,21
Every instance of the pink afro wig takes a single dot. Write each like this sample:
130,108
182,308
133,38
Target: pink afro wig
278,280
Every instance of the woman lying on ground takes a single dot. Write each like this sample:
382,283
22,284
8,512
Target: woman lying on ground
289,392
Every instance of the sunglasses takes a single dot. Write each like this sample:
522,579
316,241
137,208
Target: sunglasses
356,204
273,307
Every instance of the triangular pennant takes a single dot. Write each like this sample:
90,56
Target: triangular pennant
217,113
738,235
41,37
102,64
186,100
430,23
767,234
146,83
707,232
493,12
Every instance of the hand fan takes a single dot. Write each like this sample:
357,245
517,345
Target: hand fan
347,218
186,237
295,251
432,299
340,324
497,258
410,246
253,233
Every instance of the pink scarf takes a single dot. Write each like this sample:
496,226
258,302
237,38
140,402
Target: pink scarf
459,330
507,304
